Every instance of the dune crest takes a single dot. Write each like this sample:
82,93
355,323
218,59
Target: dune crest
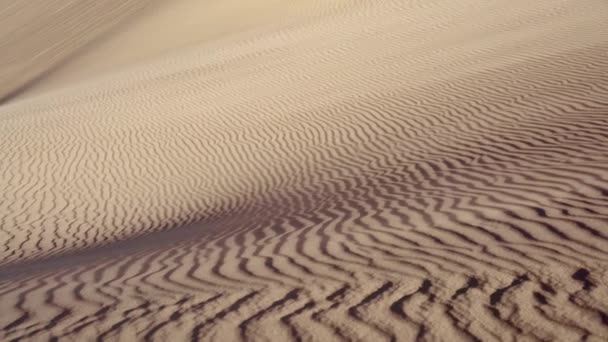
364,170
37,37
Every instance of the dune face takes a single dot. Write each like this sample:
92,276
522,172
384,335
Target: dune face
338,170
37,36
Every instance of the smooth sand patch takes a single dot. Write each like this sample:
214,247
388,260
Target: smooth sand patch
36,37
163,27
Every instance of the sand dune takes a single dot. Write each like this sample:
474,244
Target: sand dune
36,37
325,171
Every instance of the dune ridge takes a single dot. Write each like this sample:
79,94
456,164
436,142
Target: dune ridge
38,37
374,170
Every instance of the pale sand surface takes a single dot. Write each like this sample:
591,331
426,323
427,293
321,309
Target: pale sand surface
321,170
168,26
37,36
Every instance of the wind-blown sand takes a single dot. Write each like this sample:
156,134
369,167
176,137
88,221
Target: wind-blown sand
37,36
323,170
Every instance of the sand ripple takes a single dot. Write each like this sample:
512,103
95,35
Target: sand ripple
374,170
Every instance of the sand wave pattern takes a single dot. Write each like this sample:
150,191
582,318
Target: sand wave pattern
371,170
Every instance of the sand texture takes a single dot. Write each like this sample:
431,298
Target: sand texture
38,36
392,170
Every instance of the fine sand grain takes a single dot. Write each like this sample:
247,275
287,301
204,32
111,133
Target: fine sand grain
306,170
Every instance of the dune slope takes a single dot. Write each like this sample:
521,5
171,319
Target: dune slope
37,37
366,170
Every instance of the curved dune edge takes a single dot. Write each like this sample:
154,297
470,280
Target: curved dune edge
161,28
392,170
38,37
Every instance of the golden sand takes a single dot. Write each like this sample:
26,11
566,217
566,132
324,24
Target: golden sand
291,170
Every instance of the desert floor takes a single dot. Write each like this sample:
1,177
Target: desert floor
370,170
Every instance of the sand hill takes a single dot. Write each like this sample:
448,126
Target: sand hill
309,171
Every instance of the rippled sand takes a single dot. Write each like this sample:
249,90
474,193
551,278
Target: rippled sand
290,170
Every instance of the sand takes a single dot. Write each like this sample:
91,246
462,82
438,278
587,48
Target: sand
38,37
317,171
